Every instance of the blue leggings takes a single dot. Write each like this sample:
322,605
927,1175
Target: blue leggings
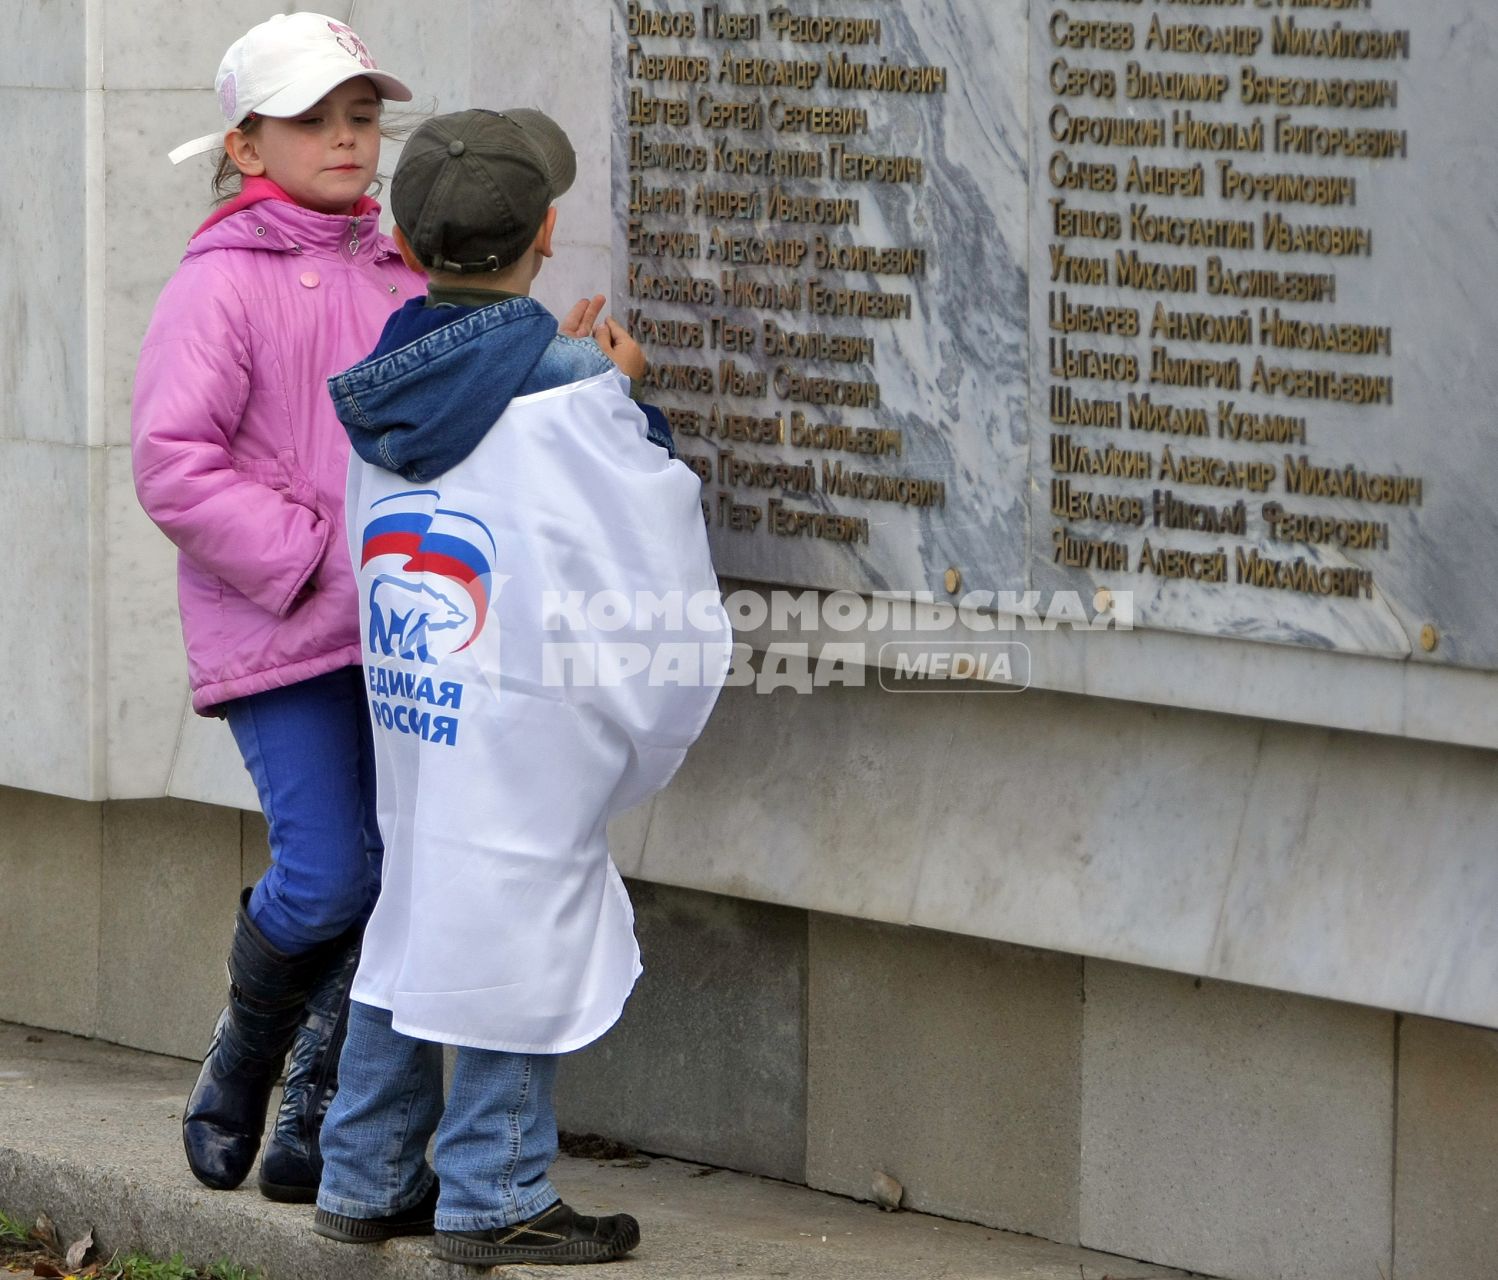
309,749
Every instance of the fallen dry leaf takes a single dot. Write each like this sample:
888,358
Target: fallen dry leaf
45,1231
42,1268
77,1250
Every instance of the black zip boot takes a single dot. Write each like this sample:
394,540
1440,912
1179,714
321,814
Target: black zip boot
292,1164
225,1114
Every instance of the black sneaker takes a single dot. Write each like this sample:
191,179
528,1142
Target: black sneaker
555,1235
418,1220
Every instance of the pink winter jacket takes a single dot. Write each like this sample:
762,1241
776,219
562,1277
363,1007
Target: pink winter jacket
238,455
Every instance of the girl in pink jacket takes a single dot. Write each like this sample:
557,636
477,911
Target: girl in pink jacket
241,461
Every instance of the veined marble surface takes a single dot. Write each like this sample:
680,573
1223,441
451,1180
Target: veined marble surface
1433,277
574,37
145,668
952,378
45,47
206,766
1331,864
1305,858
44,357
950,383
153,207
149,45
49,729
141,211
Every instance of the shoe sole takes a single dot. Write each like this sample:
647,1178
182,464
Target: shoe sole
346,1230
475,1253
287,1193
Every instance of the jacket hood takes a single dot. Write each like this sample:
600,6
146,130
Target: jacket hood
428,393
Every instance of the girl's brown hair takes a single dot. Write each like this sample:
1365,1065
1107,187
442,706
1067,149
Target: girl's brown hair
228,182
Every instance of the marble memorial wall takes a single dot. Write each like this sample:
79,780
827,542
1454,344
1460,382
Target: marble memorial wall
822,250
1186,300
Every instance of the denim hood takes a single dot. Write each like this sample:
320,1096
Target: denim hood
440,378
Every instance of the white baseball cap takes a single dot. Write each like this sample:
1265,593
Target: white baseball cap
284,66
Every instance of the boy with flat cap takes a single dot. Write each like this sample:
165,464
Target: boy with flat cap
504,484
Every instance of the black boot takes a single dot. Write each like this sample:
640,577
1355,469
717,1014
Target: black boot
225,1114
292,1164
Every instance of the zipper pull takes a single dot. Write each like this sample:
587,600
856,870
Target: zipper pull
353,230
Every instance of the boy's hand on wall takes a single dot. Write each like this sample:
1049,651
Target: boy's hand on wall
583,318
623,350
582,321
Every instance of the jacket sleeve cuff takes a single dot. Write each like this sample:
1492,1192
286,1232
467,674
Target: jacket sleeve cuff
302,585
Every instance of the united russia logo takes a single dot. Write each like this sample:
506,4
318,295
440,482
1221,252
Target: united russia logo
430,574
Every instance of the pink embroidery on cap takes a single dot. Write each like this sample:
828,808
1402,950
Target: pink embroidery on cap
228,96
355,47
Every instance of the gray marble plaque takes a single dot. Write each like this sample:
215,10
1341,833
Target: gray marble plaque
1348,190
738,127
1255,399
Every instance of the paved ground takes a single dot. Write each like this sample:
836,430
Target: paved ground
89,1133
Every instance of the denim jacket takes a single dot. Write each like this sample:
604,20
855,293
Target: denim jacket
441,376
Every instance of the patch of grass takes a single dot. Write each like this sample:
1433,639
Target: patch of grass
141,1266
22,1246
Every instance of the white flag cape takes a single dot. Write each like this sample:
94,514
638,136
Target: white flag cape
543,640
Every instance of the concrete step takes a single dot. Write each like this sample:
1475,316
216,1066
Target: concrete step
90,1133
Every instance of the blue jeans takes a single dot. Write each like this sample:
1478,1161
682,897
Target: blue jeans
310,751
496,1135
